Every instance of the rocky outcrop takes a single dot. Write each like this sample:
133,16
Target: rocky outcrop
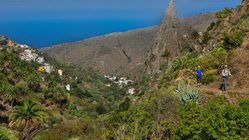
169,38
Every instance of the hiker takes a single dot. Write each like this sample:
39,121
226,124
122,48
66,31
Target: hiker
199,74
225,74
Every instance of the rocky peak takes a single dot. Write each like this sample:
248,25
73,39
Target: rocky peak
168,39
171,10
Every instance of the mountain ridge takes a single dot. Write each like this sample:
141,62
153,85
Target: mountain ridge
92,52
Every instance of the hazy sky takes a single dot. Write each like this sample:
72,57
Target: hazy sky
98,9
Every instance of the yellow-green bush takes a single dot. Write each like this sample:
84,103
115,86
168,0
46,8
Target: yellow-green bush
224,13
233,39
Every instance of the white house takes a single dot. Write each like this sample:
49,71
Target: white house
68,88
40,60
131,91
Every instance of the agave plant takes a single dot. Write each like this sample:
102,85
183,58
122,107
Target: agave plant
187,94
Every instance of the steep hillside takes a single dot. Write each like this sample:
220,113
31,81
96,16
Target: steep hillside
117,53
58,93
224,42
200,22
113,54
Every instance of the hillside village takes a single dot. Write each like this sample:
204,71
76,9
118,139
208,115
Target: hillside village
122,82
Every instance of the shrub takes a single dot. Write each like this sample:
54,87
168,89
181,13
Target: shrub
133,124
216,120
243,25
195,35
233,40
184,62
209,76
224,13
206,38
211,26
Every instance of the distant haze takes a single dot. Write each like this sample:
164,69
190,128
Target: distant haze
41,23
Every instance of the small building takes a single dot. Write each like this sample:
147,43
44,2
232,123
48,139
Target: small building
68,87
47,68
60,72
40,60
34,56
131,91
108,85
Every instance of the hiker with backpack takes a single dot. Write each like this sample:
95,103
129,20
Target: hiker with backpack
225,74
199,74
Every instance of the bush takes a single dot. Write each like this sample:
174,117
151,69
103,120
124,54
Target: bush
195,35
133,124
216,120
243,25
224,13
233,40
206,38
211,26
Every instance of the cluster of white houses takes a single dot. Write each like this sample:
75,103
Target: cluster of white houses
121,82
29,54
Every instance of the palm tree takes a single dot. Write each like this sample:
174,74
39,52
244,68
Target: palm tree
27,114
166,54
34,82
12,96
6,90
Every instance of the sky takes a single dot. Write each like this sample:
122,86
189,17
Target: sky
88,9
31,21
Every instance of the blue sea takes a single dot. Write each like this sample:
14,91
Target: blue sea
45,33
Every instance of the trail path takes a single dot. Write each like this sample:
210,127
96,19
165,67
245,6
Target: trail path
231,95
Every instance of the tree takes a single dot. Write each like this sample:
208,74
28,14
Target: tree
12,95
28,114
166,54
34,82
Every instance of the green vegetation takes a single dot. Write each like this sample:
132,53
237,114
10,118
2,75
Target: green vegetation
216,120
186,94
29,114
206,38
127,125
233,39
26,94
224,13
6,134
184,67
